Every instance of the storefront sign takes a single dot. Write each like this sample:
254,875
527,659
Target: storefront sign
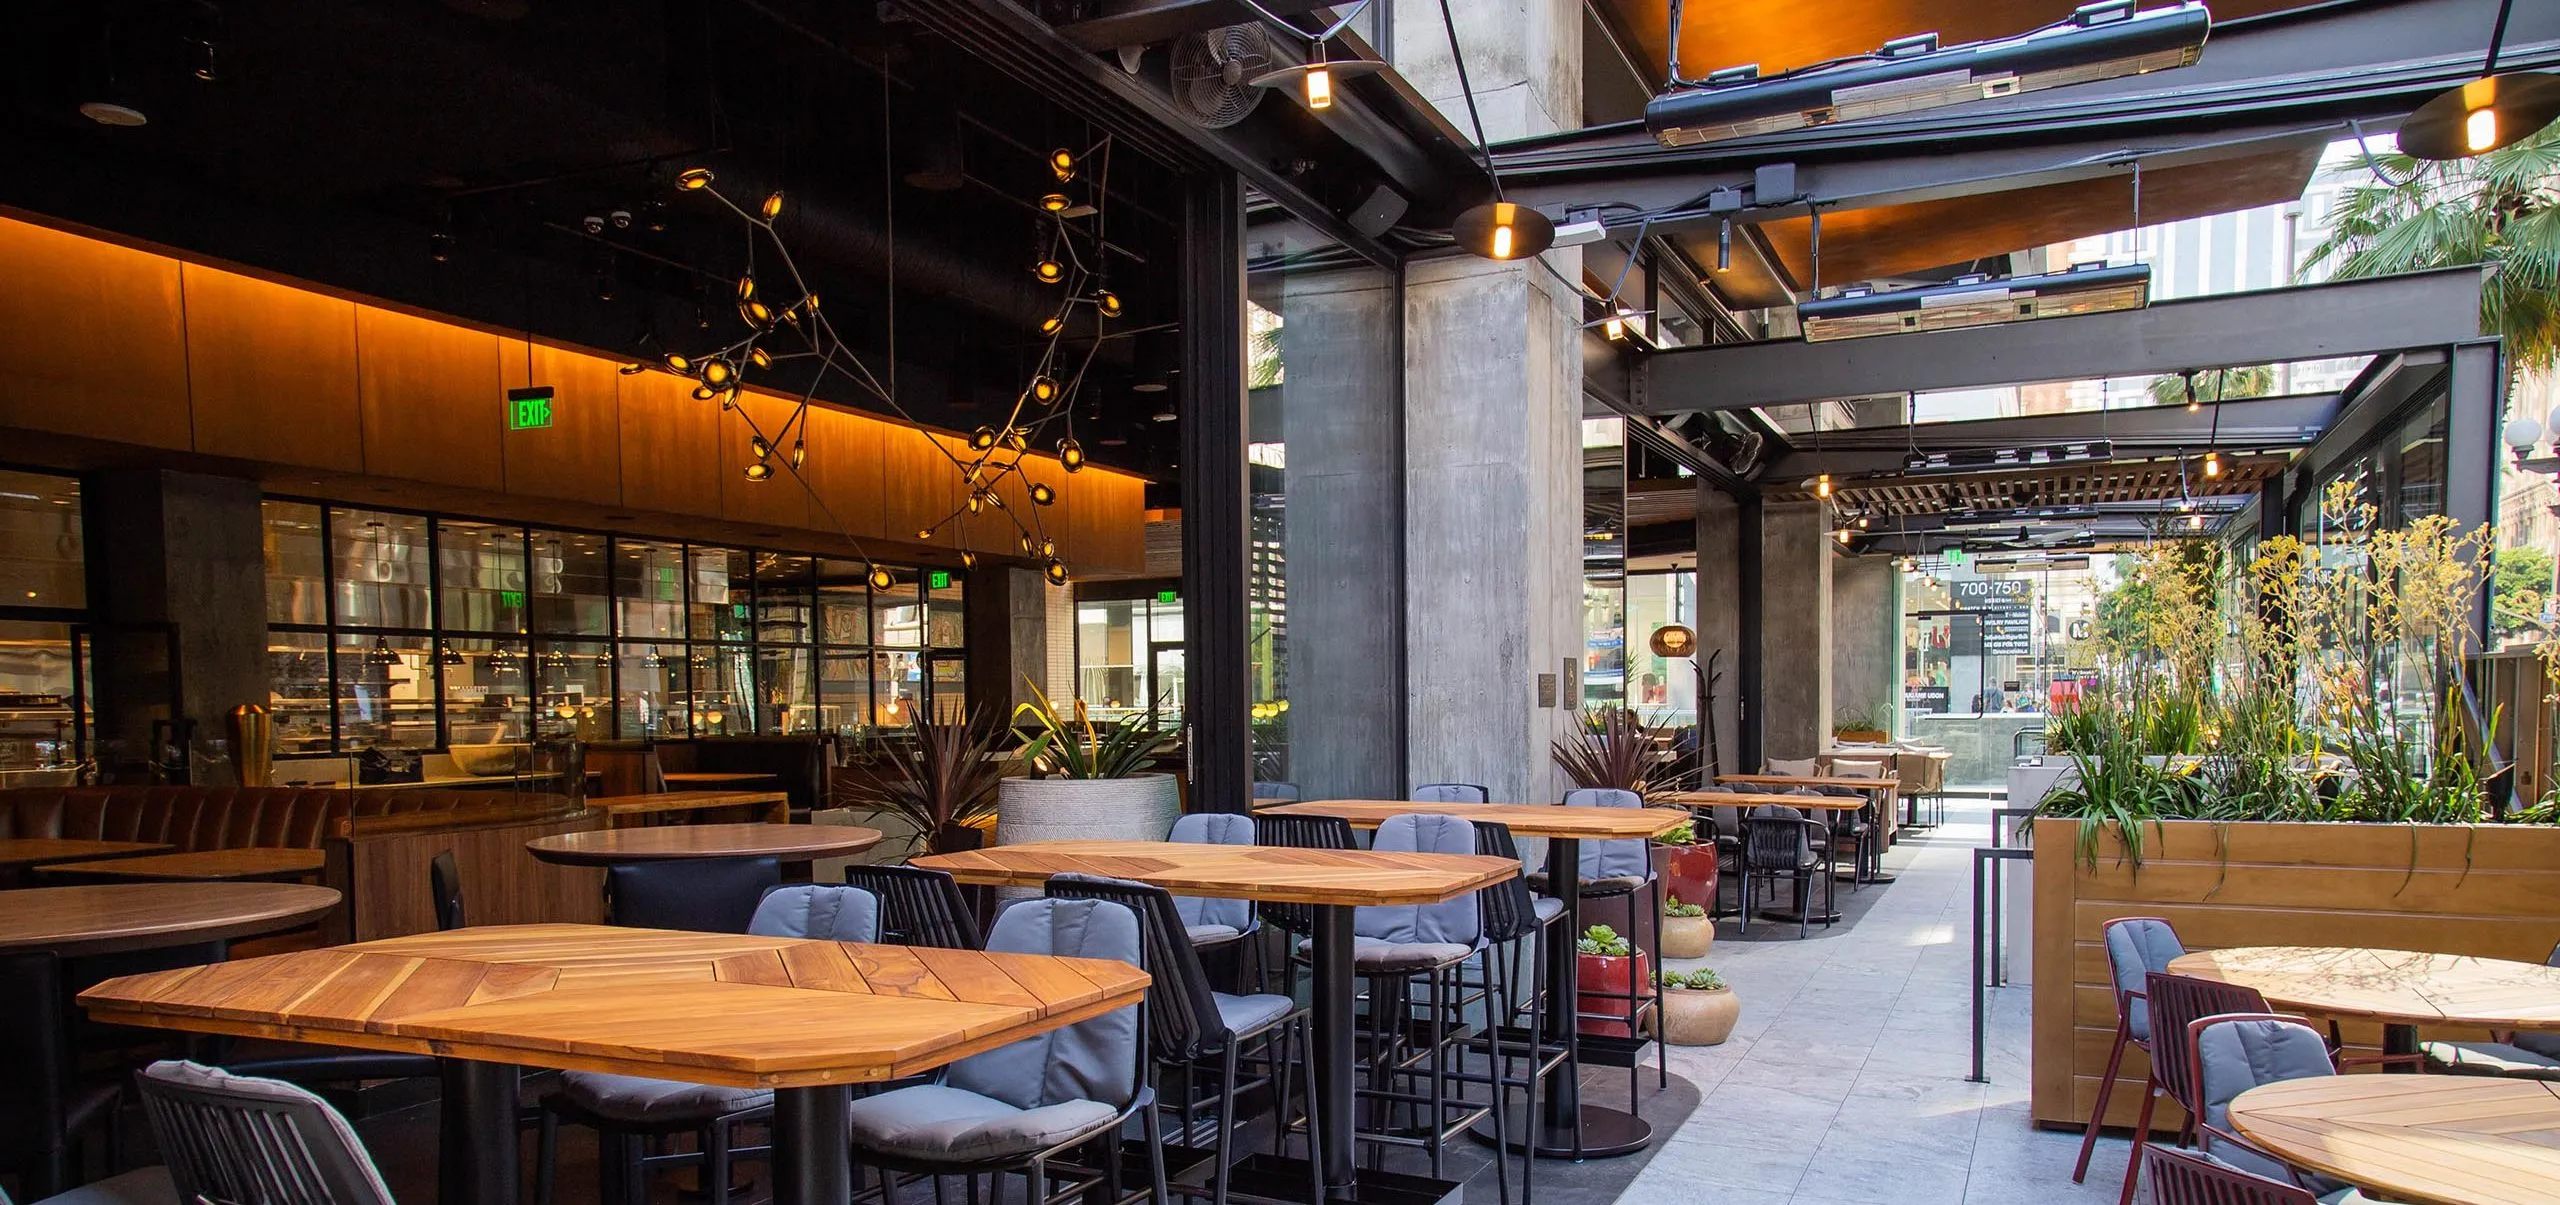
1931,699
2008,613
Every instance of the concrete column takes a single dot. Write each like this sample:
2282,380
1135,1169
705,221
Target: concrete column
1794,712
1493,408
1866,638
1008,638
1341,534
183,554
1720,619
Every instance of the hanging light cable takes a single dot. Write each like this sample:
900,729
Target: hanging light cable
1496,229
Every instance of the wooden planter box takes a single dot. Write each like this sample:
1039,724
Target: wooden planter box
2492,891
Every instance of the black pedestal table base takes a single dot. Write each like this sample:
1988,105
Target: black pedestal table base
812,1157
477,1161
1601,1133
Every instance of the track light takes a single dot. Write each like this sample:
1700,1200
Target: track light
1503,230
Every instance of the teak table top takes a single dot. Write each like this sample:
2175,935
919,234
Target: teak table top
2394,986
789,842
115,917
709,1008
1737,799
719,778
1811,780
37,851
2446,1139
1252,872
208,865
684,801
1525,819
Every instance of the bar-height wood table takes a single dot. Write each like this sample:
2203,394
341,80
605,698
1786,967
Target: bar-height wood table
1569,1129
2403,989
1332,882
804,1018
670,842
2444,1139
114,918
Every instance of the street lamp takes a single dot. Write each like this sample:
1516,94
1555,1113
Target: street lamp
2522,433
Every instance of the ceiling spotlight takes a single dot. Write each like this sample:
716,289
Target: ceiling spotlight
716,372
757,445
772,207
2488,113
1049,549
1054,202
704,393
1164,412
756,314
1056,573
1070,455
881,579
1503,230
1042,495
1050,324
1017,438
759,357
694,179
1063,162
1049,270
1043,388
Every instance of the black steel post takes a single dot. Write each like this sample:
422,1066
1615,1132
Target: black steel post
812,1165
1217,497
1335,1015
476,1157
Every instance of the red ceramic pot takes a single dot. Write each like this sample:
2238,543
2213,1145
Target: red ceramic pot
1604,982
1689,875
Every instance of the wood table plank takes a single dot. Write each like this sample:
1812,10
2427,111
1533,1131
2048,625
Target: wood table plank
1253,872
789,842
561,996
1811,780
204,866
2406,987
637,810
1523,819
2443,1139
19,852
113,917
1737,799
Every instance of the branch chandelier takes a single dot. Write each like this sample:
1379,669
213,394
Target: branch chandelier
786,325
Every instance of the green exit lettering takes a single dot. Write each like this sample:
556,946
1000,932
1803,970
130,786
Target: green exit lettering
529,409
1166,596
939,579
511,598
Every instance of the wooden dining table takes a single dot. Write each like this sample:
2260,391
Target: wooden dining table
674,842
1568,1129
804,1018
719,780
1332,882
2403,989
2439,1139
250,864
633,811
113,918
20,854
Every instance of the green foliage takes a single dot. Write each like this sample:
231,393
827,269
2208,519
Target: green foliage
937,776
2213,385
1685,833
1603,941
2519,588
1672,906
1700,980
1610,748
1070,746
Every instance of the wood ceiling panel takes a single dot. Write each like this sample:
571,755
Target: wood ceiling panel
2068,485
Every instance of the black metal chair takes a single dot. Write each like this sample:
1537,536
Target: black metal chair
701,895
236,1138
2178,1178
1512,915
1779,842
919,907
46,1109
444,882
1298,920
1191,1023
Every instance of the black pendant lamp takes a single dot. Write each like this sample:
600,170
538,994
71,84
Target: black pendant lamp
1498,229
2490,112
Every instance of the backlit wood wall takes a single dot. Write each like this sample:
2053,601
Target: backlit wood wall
2491,892
112,343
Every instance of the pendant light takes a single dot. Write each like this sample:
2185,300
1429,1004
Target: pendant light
1497,229
2488,113
1314,79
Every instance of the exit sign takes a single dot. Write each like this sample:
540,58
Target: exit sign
511,598
1166,596
529,409
939,579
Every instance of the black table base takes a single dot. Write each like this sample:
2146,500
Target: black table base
1262,1176
812,1157
477,1158
1603,1133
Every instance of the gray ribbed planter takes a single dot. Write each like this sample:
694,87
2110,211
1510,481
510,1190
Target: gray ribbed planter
1086,809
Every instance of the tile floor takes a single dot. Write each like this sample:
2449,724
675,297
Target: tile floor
1844,1081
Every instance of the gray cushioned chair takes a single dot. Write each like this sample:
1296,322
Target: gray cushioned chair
1022,1105
1209,921
626,1109
1281,792
2517,1055
2234,1052
243,1139
1451,792
1779,842
2137,946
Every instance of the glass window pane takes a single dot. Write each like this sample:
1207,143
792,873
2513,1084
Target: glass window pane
722,580
783,604
786,698
37,727
844,692
381,568
298,690
946,621
648,588
844,603
897,688
1109,677
485,689
652,701
568,583
40,541
950,690
297,568
897,613
480,574
385,699
723,690
573,678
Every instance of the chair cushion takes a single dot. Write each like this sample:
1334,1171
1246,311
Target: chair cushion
1092,1060
1792,767
640,1100
2135,948
1371,954
2235,1056
1615,885
2545,1044
141,1186
2488,1058
1548,906
1210,935
1842,767
939,1124
819,912
1247,1015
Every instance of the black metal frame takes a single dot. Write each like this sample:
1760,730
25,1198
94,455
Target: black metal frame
1217,497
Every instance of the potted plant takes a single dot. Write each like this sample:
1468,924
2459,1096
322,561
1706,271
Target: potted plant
1609,748
1864,727
939,778
1609,974
1686,931
1697,1008
1088,782
1688,870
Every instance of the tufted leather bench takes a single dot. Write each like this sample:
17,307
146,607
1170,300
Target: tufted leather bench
204,818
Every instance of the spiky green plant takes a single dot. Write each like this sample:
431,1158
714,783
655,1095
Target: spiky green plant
1069,745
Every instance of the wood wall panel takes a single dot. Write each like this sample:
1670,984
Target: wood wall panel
670,445
918,487
844,468
95,338
2493,892
579,456
433,409
779,499
501,884
271,371
1108,520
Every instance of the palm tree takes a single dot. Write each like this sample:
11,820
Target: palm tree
2213,385
2502,208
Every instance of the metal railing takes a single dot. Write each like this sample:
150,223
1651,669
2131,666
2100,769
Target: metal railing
1990,946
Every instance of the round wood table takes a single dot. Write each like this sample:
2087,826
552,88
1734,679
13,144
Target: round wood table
789,842
117,917
2443,1139
2403,989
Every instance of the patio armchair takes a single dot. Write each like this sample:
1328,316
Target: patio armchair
2173,1002
1778,842
2137,946
2234,1052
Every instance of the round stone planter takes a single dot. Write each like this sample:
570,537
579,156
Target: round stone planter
1138,808
1687,936
1691,1017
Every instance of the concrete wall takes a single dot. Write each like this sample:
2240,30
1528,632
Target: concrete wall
1795,612
1720,616
184,550
1866,638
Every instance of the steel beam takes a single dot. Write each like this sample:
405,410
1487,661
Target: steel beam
2314,322
2244,425
1217,539
1146,22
